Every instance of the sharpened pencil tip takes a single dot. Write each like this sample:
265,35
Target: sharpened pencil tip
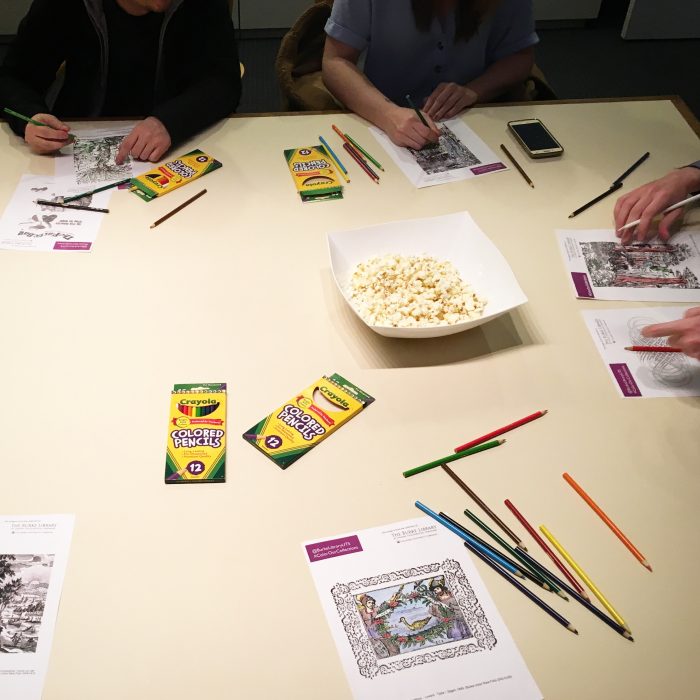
562,595
531,185
572,629
571,216
647,565
519,574
520,545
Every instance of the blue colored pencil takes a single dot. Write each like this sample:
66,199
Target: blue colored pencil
467,538
332,154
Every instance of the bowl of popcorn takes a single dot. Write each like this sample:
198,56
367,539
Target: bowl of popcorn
423,278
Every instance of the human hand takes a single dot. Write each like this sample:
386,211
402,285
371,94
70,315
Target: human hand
405,129
651,199
47,139
448,100
148,140
683,334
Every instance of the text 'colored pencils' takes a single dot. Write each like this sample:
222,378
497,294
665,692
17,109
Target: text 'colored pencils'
652,348
546,549
483,506
585,578
452,458
500,431
537,601
601,514
177,209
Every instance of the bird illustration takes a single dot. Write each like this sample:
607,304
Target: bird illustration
417,624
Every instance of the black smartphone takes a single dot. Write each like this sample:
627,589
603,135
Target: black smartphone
535,138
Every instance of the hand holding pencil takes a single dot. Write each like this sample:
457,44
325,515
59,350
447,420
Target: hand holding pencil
405,127
46,134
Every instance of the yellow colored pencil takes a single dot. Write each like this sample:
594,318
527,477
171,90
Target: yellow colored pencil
584,577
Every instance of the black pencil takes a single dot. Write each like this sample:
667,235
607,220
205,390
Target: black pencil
46,202
517,166
578,597
613,188
537,601
632,168
412,105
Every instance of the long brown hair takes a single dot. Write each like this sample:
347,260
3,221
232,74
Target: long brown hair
468,15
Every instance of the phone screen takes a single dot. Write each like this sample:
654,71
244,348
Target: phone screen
535,136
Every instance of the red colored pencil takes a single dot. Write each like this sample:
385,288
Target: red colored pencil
652,348
500,431
601,514
545,547
358,159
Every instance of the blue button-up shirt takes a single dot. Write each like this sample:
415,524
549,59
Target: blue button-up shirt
402,60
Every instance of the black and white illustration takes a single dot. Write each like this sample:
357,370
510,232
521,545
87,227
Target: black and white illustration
421,615
24,584
95,160
448,154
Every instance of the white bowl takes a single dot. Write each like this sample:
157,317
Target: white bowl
454,237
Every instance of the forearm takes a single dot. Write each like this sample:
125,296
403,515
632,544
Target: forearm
502,75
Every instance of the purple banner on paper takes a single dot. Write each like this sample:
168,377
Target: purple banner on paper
333,548
625,380
78,245
491,167
583,285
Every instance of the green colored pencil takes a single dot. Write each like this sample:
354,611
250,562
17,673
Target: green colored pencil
362,150
514,552
29,120
453,457
412,105
95,191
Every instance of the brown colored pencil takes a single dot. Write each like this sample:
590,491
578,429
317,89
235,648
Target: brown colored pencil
484,507
177,209
601,514
517,166
361,162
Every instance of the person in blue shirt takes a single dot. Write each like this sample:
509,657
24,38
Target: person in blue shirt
447,54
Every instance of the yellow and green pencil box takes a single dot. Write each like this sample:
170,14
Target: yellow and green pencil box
313,172
173,174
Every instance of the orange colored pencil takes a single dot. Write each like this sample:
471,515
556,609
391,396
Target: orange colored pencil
601,514
341,134
547,550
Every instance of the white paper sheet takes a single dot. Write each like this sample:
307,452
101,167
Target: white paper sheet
26,225
430,629
33,557
642,374
90,161
460,155
601,268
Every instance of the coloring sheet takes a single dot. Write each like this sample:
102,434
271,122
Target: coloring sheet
26,225
459,155
90,161
601,268
33,557
642,374
412,619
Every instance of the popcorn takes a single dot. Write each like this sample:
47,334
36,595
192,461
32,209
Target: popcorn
412,292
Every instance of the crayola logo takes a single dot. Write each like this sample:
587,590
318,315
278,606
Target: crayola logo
197,408
338,400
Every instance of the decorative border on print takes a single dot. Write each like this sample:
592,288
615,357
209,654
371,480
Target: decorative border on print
455,580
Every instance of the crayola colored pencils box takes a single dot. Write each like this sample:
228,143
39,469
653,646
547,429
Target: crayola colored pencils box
173,174
301,423
313,173
196,434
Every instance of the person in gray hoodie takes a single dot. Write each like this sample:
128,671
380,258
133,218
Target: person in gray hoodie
172,63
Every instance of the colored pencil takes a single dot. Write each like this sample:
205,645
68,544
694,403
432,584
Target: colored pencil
547,549
652,348
526,572
673,207
601,514
517,166
500,431
177,209
514,552
412,105
467,538
46,202
537,601
358,159
338,164
632,168
613,188
343,137
363,151
452,458
585,578
483,505
72,198
583,600
29,120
